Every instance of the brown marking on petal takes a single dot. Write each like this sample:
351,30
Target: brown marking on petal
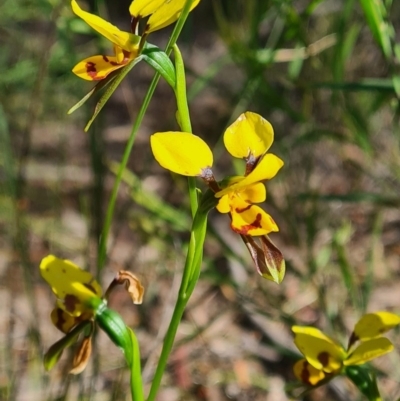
107,60
246,228
60,319
91,69
305,374
70,302
323,357
63,270
239,210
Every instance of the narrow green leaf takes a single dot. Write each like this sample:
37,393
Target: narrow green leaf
396,84
369,84
159,60
100,85
110,90
375,13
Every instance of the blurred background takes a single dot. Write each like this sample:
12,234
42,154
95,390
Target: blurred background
322,74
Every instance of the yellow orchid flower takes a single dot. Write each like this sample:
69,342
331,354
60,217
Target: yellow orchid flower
324,358
126,48
163,12
249,138
79,303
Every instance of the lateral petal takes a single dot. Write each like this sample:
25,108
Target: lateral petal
96,68
182,153
255,193
249,136
224,204
375,324
369,350
266,169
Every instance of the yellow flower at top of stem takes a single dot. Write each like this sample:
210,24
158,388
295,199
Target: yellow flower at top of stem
126,47
248,138
324,358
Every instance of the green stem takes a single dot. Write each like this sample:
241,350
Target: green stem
184,117
136,372
128,149
190,276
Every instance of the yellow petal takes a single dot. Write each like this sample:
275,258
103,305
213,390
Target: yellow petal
167,14
224,204
255,193
248,219
75,288
306,373
368,350
96,68
63,320
249,136
319,349
266,169
126,40
375,324
120,55
182,153
143,8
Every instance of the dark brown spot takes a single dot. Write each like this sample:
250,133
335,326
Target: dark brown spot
70,302
105,58
305,374
91,70
60,320
246,228
323,357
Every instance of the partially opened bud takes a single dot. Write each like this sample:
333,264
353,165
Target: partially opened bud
267,258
